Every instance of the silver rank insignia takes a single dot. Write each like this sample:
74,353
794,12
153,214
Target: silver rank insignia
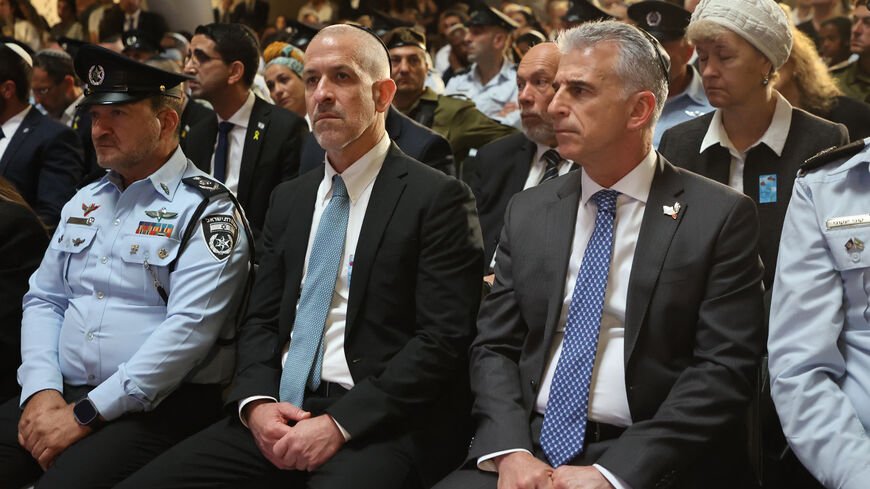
161,214
221,233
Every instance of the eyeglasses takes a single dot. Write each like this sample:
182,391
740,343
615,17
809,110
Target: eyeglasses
661,54
199,58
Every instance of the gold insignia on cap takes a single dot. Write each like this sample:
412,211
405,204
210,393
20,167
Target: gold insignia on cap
162,88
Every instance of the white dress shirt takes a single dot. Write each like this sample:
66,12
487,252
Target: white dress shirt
359,179
236,141
10,127
608,401
774,137
69,114
539,166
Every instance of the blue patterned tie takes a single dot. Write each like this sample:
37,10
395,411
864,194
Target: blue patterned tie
305,356
222,151
567,407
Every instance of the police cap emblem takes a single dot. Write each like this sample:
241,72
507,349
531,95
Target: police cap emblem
654,18
96,75
221,234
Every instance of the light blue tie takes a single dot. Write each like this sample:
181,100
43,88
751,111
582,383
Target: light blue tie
305,356
567,407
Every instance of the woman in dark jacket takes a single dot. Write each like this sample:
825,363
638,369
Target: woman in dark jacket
21,249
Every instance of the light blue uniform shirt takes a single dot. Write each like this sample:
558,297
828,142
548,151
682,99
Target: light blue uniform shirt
93,315
492,97
683,107
819,341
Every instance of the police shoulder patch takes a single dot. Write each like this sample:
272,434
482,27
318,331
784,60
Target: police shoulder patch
830,155
221,233
206,186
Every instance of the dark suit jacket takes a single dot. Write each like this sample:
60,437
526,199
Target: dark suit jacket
152,24
417,141
45,163
498,171
21,251
852,113
410,316
255,19
270,156
692,330
807,136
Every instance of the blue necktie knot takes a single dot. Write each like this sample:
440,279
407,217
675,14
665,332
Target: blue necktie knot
225,127
606,200
339,190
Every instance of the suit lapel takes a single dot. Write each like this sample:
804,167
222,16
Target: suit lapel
715,163
258,124
28,125
561,217
387,190
654,239
520,170
199,144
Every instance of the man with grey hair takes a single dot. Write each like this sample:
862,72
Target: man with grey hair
617,345
369,391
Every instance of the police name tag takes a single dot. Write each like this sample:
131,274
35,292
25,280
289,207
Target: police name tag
848,221
221,233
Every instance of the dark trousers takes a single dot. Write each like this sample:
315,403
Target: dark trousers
225,455
113,452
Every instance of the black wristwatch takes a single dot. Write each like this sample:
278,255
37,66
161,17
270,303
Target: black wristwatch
86,413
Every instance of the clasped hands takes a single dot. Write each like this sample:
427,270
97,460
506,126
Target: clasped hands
521,470
305,446
47,427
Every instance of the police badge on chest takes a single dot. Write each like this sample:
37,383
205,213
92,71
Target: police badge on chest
221,233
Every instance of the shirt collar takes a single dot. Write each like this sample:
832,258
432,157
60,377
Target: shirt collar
16,121
358,176
635,184
503,73
241,117
169,176
774,137
70,112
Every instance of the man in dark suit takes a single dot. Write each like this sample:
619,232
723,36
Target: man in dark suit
514,163
415,140
618,343
128,15
370,386
41,157
251,145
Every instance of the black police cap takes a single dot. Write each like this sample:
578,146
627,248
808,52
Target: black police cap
583,11
665,21
303,33
71,46
135,39
382,22
490,16
113,78
405,36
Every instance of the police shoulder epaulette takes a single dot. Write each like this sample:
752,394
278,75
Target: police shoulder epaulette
206,186
457,96
831,154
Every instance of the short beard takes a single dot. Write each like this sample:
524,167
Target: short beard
541,133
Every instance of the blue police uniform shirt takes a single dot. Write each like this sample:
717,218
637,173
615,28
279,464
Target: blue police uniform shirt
683,107
492,97
93,315
819,341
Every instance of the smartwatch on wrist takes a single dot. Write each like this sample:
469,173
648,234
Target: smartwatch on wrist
86,413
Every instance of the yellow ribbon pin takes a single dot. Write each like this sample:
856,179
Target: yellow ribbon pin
256,135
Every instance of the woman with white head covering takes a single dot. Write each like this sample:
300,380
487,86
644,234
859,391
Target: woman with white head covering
755,140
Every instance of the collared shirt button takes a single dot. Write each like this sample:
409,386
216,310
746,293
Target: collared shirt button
90,336
100,295
117,222
104,259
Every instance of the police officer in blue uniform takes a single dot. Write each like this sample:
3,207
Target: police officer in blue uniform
819,343
128,323
491,81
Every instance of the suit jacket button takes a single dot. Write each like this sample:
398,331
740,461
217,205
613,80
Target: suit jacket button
355,360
